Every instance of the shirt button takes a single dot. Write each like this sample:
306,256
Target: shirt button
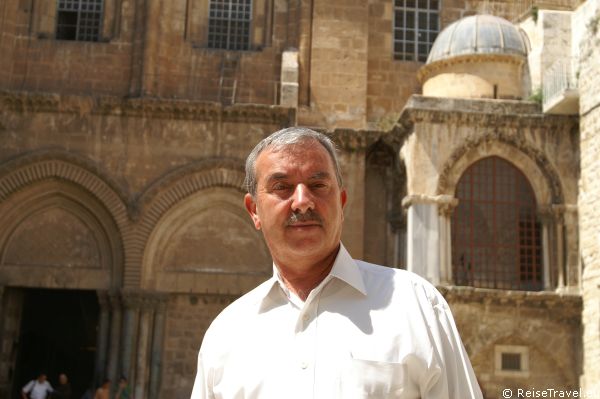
305,317
303,365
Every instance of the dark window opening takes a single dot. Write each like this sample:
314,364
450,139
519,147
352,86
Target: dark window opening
496,234
416,25
229,24
79,20
511,361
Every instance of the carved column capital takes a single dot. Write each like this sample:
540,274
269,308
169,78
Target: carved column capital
114,300
445,203
103,300
556,212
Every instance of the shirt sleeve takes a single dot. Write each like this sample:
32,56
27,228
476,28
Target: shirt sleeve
28,386
457,379
202,386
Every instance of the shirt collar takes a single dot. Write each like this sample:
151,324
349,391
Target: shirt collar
344,269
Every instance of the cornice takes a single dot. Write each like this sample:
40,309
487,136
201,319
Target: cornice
569,306
360,140
428,70
156,108
481,112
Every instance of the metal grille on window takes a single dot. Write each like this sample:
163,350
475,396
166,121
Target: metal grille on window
79,20
416,25
496,235
229,24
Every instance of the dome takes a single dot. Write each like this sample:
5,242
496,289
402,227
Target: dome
479,34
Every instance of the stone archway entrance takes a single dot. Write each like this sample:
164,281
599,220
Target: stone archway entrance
57,334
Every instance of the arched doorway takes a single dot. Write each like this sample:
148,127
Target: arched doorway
57,335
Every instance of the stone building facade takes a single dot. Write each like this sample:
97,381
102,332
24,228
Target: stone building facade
124,126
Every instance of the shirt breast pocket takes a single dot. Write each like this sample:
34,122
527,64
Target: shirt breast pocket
369,379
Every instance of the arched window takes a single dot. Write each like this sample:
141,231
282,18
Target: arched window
496,239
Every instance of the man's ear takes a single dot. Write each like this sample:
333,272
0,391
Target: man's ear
251,208
343,200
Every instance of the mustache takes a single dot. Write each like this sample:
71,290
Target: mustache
308,216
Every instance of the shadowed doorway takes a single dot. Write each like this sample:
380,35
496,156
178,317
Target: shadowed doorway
57,335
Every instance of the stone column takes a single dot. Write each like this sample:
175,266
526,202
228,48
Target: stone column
446,207
131,305
571,258
102,337
141,381
115,329
424,246
549,264
1,302
157,347
398,224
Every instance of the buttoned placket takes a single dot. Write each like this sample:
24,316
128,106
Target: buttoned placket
305,341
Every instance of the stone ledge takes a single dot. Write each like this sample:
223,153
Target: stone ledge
149,107
567,304
486,112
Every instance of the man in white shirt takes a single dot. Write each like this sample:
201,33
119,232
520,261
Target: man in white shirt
39,388
325,326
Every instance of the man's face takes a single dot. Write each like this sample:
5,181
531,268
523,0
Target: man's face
62,378
42,378
298,203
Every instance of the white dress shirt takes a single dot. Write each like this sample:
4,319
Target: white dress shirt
366,331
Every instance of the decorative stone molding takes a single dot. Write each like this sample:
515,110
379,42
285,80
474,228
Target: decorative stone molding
517,142
445,202
65,165
354,140
569,306
428,70
556,212
114,301
161,108
481,112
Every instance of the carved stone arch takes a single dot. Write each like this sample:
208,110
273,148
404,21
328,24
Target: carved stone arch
175,187
205,243
57,164
531,161
58,235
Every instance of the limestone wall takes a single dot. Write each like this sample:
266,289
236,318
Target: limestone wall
589,212
188,318
546,326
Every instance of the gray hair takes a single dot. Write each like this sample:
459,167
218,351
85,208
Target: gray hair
284,138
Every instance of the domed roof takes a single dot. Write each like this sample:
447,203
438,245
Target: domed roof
479,34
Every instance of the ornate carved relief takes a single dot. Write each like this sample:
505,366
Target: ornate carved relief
24,102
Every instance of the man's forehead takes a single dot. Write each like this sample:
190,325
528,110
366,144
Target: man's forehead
279,158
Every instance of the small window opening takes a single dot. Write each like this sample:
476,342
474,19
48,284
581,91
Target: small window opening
495,91
511,361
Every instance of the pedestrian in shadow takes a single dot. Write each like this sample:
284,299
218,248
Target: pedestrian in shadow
124,390
39,388
63,389
104,391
